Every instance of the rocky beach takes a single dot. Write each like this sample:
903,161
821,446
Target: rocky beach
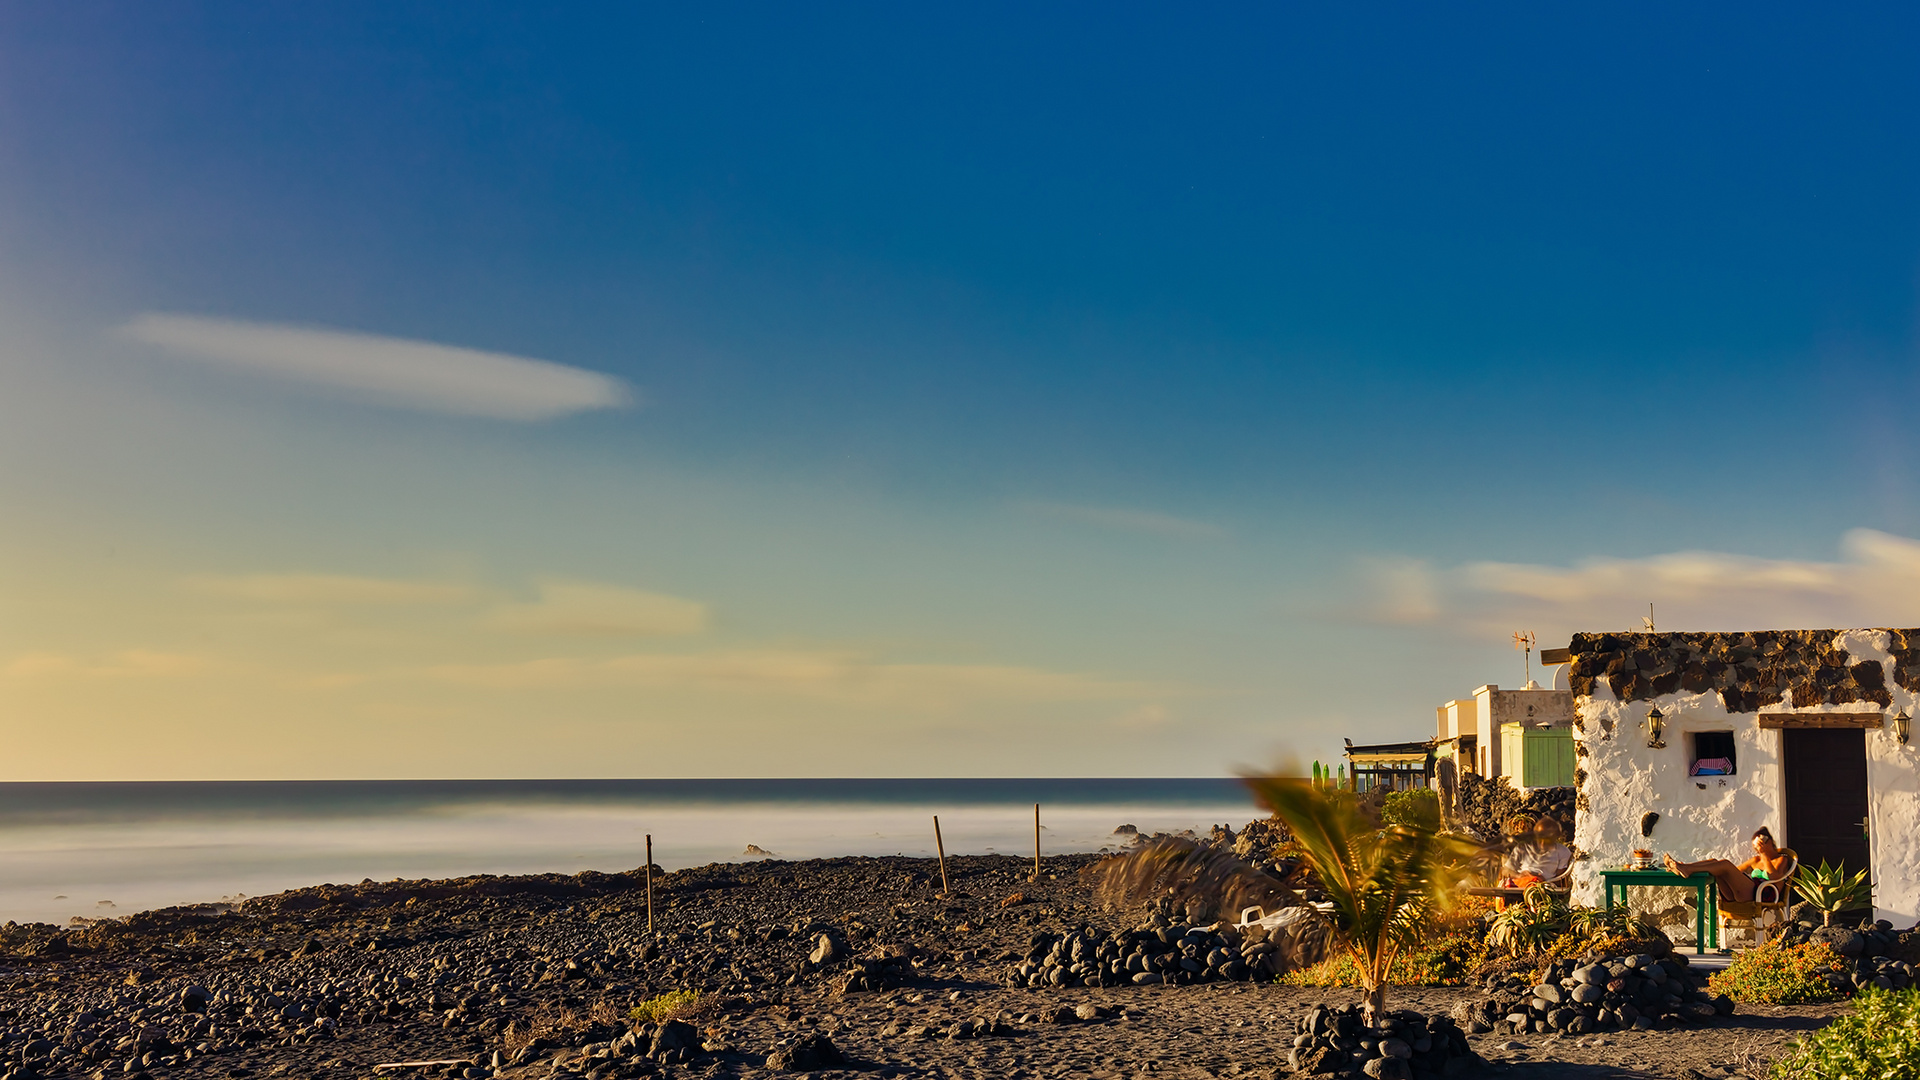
838,967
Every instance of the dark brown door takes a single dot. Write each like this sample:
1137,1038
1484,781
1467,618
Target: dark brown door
1827,795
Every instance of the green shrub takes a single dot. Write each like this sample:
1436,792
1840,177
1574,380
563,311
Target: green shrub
669,1006
1445,960
1777,974
1878,1040
1418,808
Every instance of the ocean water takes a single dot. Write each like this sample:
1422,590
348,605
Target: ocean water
109,849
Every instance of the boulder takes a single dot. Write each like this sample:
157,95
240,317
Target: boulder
826,950
675,1035
805,1053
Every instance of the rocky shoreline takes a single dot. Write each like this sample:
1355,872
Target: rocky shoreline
851,967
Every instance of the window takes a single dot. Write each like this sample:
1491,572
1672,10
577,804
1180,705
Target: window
1712,754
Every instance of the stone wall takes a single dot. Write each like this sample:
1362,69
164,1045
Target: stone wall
1483,806
1747,670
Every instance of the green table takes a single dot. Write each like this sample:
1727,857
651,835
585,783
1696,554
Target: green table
1706,913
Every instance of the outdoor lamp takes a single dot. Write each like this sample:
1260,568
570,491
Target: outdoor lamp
1656,724
1902,726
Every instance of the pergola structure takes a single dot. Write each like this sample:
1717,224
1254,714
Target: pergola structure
1393,766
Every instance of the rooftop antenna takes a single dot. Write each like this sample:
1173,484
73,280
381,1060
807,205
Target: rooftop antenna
1523,640
1649,619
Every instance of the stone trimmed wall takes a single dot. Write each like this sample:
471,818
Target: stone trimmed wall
1749,670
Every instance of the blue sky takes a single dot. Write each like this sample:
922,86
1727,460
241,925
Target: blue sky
1155,390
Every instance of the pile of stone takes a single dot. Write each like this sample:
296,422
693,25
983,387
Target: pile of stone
873,976
1397,1046
1872,955
1483,806
1613,993
1261,842
1148,955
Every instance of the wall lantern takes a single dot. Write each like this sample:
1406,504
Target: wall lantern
1656,725
1902,726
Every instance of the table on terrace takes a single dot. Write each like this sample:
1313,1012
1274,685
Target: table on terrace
1706,931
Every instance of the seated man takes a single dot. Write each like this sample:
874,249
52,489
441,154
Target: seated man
1738,882
1547,859
1516,868
1515,871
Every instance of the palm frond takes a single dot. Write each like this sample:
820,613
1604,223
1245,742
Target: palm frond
1385,882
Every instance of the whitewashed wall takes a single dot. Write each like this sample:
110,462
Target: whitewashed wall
1625,778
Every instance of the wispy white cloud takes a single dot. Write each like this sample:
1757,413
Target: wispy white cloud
845,677
419,375
1400,590
596,608
331,590
1125,519
1876,582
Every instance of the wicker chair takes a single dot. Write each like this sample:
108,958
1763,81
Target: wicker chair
1771,899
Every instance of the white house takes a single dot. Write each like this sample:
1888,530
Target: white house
1803,731
1522,735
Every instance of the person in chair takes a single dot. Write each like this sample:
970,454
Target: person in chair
1738,882
1548,858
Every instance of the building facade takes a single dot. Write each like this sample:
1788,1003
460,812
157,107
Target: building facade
1524,735
1687,742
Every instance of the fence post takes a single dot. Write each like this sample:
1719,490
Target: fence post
942,849
1036,841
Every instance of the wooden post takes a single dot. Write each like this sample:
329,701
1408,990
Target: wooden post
649,883
1036,841
942,849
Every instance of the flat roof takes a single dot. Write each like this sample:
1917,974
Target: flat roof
1391,752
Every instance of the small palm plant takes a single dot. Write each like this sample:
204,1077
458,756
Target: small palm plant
1386,883
1830,890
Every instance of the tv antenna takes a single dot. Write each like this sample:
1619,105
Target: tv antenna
1649,619
1523,640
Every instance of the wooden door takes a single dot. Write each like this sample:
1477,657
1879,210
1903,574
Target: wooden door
1826,795
1549,757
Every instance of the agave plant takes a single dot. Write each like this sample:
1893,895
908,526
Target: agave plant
1830,890
1604,922
1531,923
1385,882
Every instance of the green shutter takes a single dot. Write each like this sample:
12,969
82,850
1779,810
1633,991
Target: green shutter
1549,758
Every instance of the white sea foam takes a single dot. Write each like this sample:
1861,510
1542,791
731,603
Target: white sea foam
140,860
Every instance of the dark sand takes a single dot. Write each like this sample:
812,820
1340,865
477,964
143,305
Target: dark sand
305,984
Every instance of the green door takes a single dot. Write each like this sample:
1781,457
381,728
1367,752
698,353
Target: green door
1548,758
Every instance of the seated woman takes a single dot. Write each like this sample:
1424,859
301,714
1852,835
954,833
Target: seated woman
1738,882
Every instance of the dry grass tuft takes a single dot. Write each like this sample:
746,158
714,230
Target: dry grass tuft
552,1021
1205,879
1755,1057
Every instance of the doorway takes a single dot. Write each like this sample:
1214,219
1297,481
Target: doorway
1826,795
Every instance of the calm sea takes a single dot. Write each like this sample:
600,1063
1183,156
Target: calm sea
95,849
